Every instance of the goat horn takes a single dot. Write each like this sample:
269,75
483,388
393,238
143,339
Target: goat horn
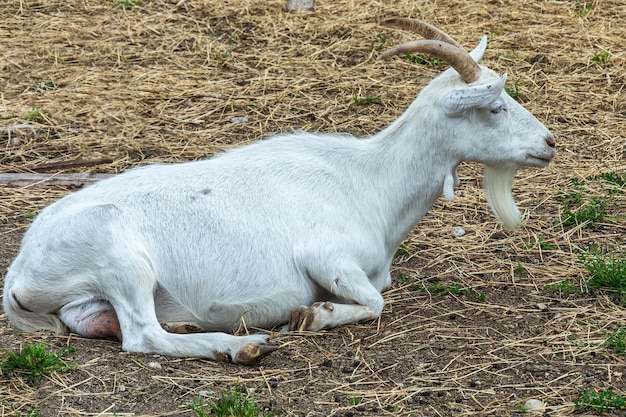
438,44
457,58
427,30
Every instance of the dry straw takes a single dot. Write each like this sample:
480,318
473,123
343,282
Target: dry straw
115,87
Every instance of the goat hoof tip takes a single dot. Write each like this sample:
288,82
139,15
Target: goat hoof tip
252,352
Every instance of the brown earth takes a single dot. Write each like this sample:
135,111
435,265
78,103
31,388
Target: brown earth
101,88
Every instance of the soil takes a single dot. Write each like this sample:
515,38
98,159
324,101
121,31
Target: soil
473,325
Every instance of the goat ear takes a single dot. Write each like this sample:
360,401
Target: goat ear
477,96
479,51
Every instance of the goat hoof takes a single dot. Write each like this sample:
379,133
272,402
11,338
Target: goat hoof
249,354
185,328
310,318
222,357
304,319
182,328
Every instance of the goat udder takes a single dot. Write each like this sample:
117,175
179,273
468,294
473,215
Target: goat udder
95,319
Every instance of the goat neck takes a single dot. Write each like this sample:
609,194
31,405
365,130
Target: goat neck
415,165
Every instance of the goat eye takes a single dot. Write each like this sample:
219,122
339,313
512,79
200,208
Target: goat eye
498,109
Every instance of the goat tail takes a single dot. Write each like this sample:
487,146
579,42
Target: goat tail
499,185
21,314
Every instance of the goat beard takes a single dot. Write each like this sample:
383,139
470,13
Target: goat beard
498,186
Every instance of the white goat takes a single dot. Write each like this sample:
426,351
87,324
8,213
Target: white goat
297,229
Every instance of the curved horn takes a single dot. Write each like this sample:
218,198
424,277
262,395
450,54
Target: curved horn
457,58
427,30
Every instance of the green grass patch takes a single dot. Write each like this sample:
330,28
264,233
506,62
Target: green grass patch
33,412
439,288
28,214
35,115
602,58
612,178
236,402
404,248
412,285
588,203
564,287
588,214
514,91
127,4
607,273
542,244
617,340
584,9
379,44
520,270
421,59
608,400
365,101
355,400
33,361
41,86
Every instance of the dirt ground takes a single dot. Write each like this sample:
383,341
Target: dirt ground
101,87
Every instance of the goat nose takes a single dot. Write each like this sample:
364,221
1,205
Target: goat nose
550,141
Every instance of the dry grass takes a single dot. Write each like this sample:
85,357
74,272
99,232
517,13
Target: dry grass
162,82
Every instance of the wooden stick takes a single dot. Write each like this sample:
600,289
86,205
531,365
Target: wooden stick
80,162
76,180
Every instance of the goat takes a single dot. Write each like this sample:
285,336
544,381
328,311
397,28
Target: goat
298,229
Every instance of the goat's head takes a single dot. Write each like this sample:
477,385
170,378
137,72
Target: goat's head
481,122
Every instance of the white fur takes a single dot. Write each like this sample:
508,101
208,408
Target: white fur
261,231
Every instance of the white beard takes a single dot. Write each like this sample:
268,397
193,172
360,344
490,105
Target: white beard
498,185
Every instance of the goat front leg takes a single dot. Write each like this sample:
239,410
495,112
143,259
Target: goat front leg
349,283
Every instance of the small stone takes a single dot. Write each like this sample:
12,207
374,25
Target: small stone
206,393
458,231
533,404
300,6
542,306
239,119
154,365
